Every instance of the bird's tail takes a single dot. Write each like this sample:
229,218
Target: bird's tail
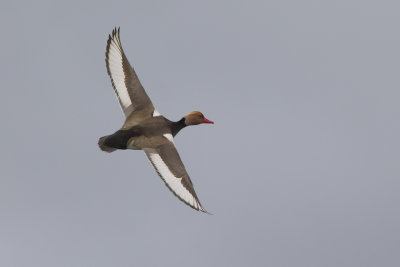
103,146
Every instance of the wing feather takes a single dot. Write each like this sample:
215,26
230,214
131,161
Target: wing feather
130,92
170,168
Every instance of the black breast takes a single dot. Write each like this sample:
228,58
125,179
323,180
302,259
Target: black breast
177,126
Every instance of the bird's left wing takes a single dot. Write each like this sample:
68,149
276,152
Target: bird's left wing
169,166
130,92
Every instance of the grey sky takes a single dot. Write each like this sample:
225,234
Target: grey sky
300,169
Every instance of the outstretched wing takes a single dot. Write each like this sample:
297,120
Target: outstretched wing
129,90
169,166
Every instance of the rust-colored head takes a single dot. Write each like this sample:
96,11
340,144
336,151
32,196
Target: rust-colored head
195,117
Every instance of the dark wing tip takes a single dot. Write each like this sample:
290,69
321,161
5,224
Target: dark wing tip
191,190
203,210
193,193
115,39
115,31
114,36
199,208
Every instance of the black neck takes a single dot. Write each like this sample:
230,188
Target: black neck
177,126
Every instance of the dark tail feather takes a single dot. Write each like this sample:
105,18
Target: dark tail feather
104,147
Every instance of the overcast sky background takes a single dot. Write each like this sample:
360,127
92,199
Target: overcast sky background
301,167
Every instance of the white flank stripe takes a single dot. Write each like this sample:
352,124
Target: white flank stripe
117,73
156,113
173,182
169,137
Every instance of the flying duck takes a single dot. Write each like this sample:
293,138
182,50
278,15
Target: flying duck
145,128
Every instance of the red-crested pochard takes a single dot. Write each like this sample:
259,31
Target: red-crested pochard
145,128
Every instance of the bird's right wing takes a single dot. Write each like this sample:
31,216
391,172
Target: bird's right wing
130,92
168,164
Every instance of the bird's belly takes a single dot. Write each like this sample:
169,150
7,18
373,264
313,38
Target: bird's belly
131,145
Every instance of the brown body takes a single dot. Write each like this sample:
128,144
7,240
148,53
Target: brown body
147,133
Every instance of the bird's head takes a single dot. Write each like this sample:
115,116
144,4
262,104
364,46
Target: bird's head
196,117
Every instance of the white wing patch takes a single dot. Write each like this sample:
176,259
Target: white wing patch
169,137
174,183
156,113
115,67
